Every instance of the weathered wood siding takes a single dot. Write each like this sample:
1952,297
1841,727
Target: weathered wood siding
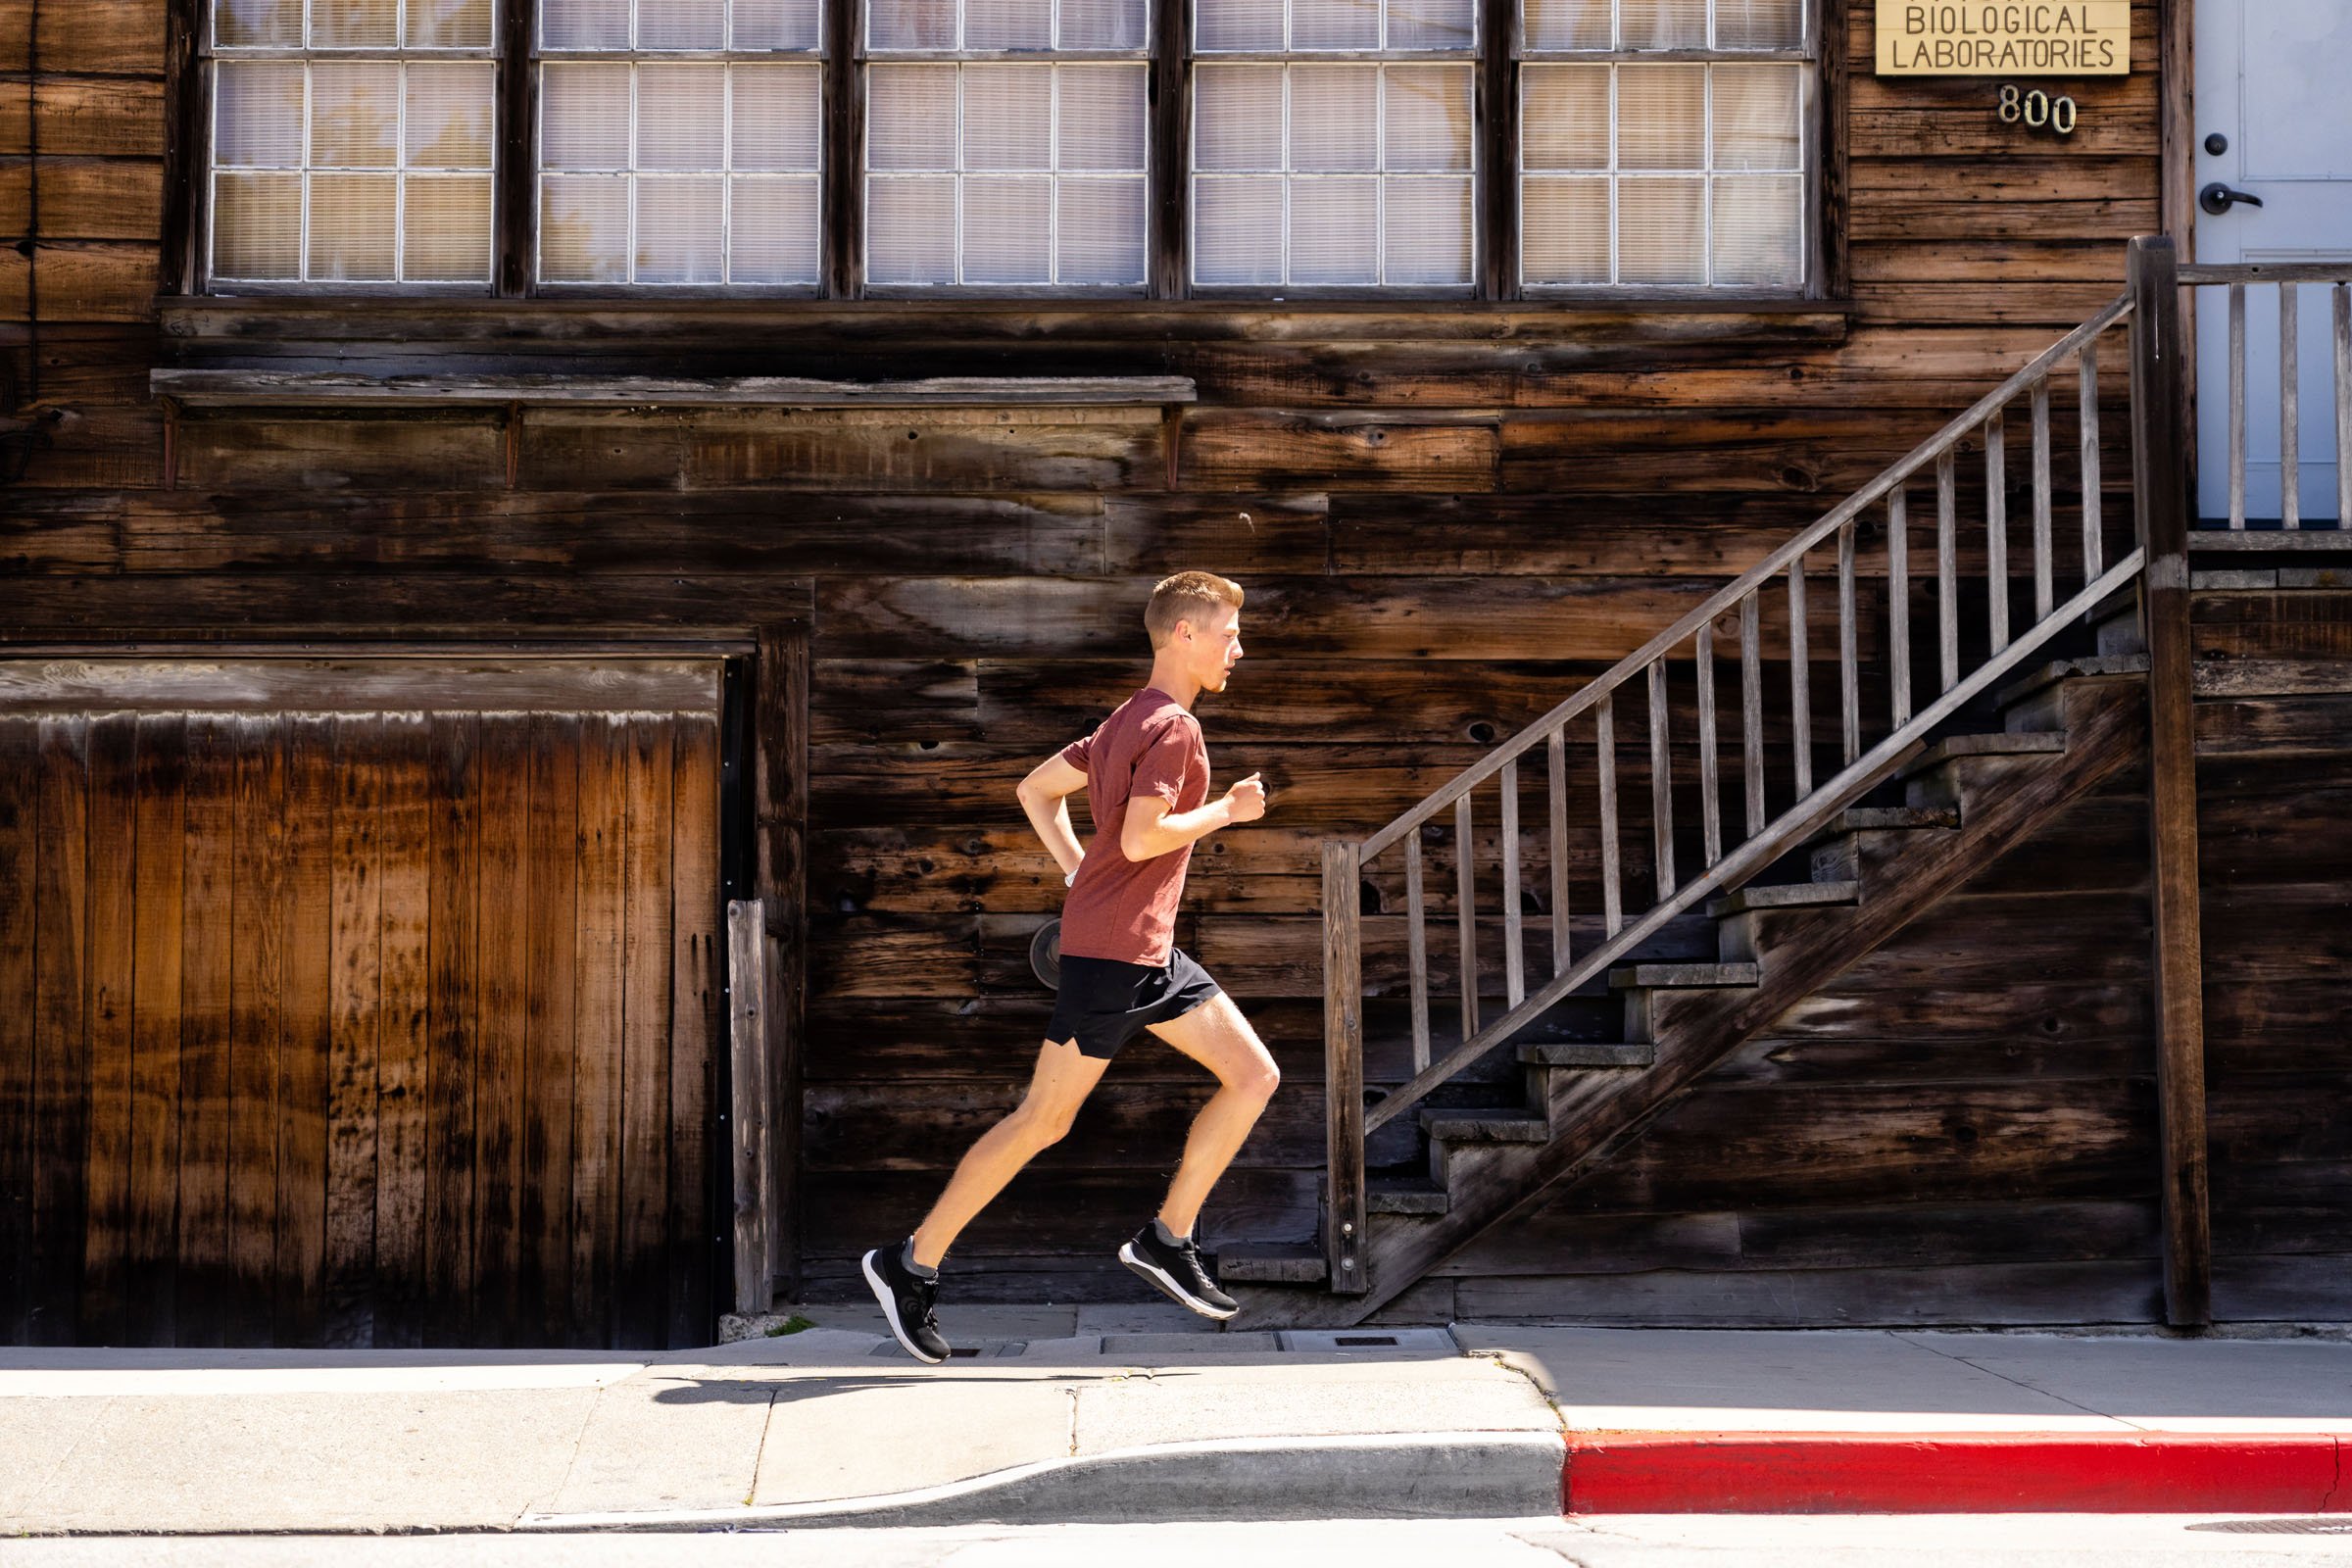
1454,516
355,1029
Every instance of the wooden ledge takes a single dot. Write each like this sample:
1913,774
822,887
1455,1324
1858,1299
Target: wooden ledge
2323,536
267,388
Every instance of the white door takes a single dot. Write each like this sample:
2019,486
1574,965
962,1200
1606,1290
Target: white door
2272,79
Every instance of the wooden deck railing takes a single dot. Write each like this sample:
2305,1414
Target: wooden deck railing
2287,281
1889,695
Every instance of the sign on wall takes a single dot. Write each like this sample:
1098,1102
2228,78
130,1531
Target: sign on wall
2004,37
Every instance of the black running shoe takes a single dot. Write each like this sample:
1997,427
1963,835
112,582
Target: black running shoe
906,1299
1179,1272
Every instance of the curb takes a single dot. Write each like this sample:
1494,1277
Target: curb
1448,1475
1954,1472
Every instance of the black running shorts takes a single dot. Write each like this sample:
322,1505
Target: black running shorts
1104,1003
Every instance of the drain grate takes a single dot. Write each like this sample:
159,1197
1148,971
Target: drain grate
2338,1525
1345,1339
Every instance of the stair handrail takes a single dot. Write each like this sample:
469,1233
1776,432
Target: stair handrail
1348,1121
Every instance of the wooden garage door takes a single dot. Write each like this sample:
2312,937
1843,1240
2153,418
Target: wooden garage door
357,1002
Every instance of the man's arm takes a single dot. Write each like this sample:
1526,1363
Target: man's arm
1045,796
1150,829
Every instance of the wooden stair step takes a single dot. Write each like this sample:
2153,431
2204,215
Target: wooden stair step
1589,1053
1884,819
1787,895
1271,1263
1992,743
1487,1126
2057,670
1404,1197
1681,976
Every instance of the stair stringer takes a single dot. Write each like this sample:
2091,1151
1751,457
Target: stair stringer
2003,800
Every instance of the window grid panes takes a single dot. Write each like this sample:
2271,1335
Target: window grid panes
1688,172
984,170
681,143
1333,144
351,141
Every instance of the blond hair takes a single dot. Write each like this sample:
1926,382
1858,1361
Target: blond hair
1188,596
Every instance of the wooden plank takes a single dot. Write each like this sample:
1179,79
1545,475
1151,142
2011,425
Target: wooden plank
2160,489
102,1314
20,1035
61,1082
1661,788
2087,418
457,683
1416,936
695,984
1996,527
262,933
1604,748
2237,404
597,1073
404,1035
82,117
1801,668
640,1315
1849,677
502,1041
357,1004
549,1004
1251,450
1344,1222
1555,853
1514,926
1465,908
198,387
1948,572
2340,301
160,835
208,874
1899,607
1751,711
305,1068
752,1162
453,987
2044,582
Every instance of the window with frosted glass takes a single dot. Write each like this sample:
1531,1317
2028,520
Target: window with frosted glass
680,142
351,141
1684,172
1004,143
1352,168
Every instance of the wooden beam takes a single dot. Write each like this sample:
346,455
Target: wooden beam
779,879
753,1151
264,388
1344,1069
2160,490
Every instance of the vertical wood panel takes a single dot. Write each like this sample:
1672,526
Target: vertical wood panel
204,989
646,1004
19,837
154,1192
547,1184
780,851
356,915
60,1017
401,1039
693,1027
257,1020
450,1030
307,1045
502,1038
596,1069
113,764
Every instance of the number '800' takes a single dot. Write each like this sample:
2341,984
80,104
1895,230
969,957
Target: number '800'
2036,108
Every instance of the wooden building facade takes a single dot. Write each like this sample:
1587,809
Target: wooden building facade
399,679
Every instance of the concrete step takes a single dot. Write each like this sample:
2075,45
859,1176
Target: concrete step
1683,976
1587,1054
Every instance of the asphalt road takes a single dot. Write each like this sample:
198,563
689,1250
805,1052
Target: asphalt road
2010,1540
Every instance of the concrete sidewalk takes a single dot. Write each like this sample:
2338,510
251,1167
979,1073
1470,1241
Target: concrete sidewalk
1081,1415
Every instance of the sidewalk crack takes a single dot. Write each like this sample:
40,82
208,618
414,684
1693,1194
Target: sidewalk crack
1073,1449
750,1492
2017,1383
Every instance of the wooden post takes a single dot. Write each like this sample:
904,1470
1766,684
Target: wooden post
1344,1071
2160,494
753,1154
779,878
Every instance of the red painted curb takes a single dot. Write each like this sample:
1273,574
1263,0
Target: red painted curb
1954,1472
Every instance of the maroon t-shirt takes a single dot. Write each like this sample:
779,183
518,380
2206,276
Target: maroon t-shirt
1122,908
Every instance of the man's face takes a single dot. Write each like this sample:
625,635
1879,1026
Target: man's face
1212,650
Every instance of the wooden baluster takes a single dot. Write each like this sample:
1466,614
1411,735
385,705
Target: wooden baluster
2291,421
1661,783
1800,675
1850,668
1898,605
1996,526
1344,1068
1751,712
2043,587
2237,404
1416,941
1710,802
1947,569
2343,405
1613,913
1514,922
1466,891
2086,389
1555,757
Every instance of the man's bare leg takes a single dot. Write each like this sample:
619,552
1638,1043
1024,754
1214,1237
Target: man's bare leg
1057,1089
1216,1036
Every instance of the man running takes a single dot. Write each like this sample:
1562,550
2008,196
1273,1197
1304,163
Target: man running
1146,776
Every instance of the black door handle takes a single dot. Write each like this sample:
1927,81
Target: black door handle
2218,198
